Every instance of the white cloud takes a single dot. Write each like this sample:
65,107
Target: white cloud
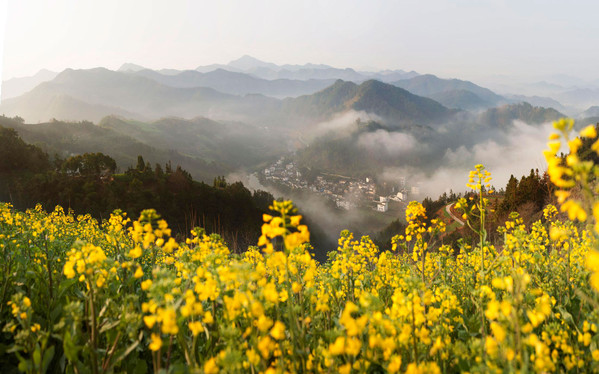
391,143
345,122
521,151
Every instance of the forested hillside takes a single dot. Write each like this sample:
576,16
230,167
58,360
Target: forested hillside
88,184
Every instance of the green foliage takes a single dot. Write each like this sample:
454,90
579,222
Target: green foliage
17,157
533,189
89,164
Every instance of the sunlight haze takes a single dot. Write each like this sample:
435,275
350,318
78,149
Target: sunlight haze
465,39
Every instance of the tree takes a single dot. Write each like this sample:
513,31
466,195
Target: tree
90,164
141,164
220,182
158,171
511,191
18,156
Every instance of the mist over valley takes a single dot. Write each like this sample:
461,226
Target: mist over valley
409,132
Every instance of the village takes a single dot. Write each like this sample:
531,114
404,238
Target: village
347,193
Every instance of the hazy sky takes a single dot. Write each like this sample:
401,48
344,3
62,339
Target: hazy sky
466,39
3,12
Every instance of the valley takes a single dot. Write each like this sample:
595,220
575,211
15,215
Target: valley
337,128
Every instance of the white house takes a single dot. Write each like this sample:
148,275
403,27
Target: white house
382,207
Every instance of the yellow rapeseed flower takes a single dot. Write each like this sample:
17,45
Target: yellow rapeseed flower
156,342
278,330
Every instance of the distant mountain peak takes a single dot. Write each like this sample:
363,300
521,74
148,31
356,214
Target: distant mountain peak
341,82
45,72
247,58
247,62
375,83
339,86
131,67
592,111
395,104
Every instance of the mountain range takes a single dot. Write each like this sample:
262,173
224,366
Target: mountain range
235,83
249,76
94,93
219,118
104,92
267,70
453,93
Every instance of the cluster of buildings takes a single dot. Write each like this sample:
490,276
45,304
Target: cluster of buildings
347,193
285,173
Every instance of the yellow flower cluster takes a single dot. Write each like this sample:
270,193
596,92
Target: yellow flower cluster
286,226
575,176
523,304
479,178
565,172
90,262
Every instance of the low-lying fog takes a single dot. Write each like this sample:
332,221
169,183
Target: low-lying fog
436,160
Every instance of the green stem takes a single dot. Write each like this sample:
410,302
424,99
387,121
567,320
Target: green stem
110,352
414,331
423,263
481,208
94,329
183,344
168,353
49,267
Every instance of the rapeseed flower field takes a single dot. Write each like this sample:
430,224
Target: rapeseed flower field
123,295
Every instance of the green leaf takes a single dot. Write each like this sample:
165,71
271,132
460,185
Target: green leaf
37,356
565,314
104,308
64,286
48,355
24,366
56,312
130,348
141,367
70,349
109,326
